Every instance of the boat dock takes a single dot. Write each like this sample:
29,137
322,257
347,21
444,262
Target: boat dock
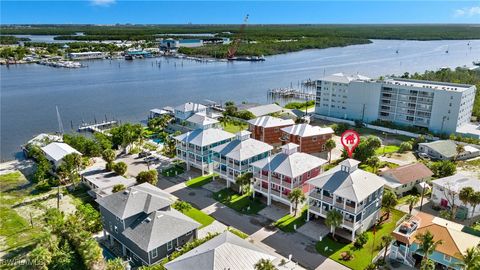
290,93
97,127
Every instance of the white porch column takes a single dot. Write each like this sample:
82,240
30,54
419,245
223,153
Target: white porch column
124,250
291,208
308,210
269,197
203,169
353,235
104,234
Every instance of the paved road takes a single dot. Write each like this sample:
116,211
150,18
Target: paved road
299,246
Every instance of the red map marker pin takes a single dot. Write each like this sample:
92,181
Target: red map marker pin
350,139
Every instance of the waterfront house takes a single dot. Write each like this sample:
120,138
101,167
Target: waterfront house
224,251
355,193
311,139
234,158
263,110
445,192
56,151
184,111
141,223
202,121
157,113
267,128
101,182
403,179
456,239
447,150
276,176
193,147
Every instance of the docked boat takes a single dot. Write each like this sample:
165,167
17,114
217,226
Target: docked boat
476,63
248,58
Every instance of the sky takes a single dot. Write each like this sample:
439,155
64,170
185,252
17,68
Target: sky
233,12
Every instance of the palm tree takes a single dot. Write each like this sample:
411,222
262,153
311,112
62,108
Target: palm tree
465,196
474,201
426,246
296,196
427,265
470,260
412,200
373,162
460,149
334,220
243,182
264,264
386,240
330,145
108,155
389,201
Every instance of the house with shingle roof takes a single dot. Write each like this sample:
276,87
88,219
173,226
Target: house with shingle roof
225,251
402,179
141,222
355,193
456,239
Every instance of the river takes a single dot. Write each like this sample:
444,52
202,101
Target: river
127,90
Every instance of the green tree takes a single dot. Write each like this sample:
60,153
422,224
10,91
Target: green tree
115,264
120,168
63,258
118,187
109,155
243,181
334,220
386,240
412,200
443,168
150,176
459,149
373,162
465,196
404,147
41,256
470,260
427,245
264,264
90,217
182,206
296,196
366,148
389,201
70,167
169,145
427,265
330,145
474,201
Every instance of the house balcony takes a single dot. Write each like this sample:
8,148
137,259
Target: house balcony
348,223
328,199
338,204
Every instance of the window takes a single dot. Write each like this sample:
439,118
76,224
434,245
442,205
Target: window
154,253
276,129
314,139
170,245
447,258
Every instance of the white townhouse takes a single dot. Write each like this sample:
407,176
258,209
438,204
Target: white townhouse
276,176
194,147
234,158
355,193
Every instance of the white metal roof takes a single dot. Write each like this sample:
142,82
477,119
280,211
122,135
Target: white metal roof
342,78
190,106
292,165
428,84
201,119
458,181
242,150
265,109
57,150
204,137
306,130
270,121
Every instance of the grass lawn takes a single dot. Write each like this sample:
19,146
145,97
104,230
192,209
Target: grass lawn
174,170
200,181
387,149
237,202
234,127
361,257
287,222
199,216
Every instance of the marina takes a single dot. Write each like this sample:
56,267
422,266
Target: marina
97,127
290,93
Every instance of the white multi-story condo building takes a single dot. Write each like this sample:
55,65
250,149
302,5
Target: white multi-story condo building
276,176
440,107
234,158
355,193
194,147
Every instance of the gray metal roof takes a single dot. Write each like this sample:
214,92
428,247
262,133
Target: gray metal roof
225,251
265,109
204,137
270,121
201,119
355,185
242,150
306,130
158,228
141,198
190,106
458,181
446,148
58,150
292,165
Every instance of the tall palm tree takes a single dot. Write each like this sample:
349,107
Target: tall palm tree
470,260
386,240
465,196
474,201
412,200
243,181
264,264
296,196
389,201
330,145
334,220
427,265
426,246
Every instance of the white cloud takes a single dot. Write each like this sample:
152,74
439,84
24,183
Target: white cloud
103,3
467,12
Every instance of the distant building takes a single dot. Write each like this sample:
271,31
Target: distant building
402,179
355,193
276,176
263,110
86,55
186,110
56,151
140,222
444,189
455,238
440,107
201,121
157,113
234,158
311,139
101,182
194,147
268,128
447,150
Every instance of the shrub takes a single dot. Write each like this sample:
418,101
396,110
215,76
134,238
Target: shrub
43,185
181,206
150,176
109,166
405,146
118,188
361,240
120,168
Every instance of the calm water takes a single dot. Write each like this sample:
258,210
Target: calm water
127,90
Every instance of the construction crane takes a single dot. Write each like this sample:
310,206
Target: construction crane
232,50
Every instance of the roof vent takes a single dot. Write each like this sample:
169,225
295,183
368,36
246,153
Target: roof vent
148,219
126,191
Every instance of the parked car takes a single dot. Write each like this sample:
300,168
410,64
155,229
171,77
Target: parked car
144,154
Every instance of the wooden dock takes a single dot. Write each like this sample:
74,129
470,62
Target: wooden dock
291,93
97,127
